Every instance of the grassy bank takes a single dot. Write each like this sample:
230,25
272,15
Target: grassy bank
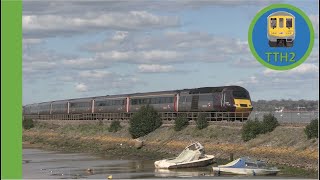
287,147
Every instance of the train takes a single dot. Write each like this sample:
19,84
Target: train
281,29
213,101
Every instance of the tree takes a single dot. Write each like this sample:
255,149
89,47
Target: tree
144,121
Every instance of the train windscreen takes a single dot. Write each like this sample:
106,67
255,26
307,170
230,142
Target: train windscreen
289,23
240,95
273,22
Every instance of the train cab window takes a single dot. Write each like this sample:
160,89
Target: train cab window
273,22
281,22
289,23
240,95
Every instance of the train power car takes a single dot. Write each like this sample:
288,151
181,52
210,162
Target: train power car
213,101
281,29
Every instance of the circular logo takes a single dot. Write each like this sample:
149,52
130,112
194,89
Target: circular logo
281,37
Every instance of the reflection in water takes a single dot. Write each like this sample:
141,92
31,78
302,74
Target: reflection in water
189,172
39,164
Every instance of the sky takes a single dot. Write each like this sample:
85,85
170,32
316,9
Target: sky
74,49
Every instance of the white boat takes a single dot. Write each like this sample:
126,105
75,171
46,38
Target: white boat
192,156
246,166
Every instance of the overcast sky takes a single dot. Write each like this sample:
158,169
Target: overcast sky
77,49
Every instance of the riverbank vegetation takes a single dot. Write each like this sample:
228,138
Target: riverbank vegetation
312,130
252,128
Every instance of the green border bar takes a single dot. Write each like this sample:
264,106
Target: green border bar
11,94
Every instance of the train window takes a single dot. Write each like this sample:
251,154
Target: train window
289,22
101,104
162,100
188,99
273,22
153,100
281,22
240,94
133,101
169,100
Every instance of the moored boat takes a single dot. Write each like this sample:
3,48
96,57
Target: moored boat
192,156
246,166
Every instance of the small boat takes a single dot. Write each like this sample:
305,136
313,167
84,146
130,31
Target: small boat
246,166
192,156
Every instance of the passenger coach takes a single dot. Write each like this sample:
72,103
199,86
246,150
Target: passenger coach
217,102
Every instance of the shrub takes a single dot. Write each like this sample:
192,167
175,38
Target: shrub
144,121
311,129
251,129
114,126
269,123
27,123
180,123
202,121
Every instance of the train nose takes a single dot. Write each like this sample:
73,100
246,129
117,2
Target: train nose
242,105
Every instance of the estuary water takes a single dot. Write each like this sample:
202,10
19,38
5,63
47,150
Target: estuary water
42,164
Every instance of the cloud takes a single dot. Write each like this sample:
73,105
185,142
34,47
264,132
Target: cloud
155,68
166,48
314,18
53,25
301,71
95,74
303,78
81,87
245,62
120,35
170,40
83,7
141,56
31,41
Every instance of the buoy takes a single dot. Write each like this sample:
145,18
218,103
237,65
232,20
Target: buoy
110,177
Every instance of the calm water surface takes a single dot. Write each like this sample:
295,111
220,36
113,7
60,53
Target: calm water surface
41,164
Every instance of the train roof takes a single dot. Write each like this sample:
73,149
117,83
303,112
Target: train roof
280,13
200,90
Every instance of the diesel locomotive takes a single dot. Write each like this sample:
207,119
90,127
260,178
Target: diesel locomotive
234,100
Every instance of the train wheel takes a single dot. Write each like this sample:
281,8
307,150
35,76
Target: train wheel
290,44
272,44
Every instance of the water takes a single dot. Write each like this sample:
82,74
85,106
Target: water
288,117
40,164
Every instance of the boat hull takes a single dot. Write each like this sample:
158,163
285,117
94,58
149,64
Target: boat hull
164,164
246,171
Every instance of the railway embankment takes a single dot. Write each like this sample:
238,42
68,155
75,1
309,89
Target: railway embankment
287,146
